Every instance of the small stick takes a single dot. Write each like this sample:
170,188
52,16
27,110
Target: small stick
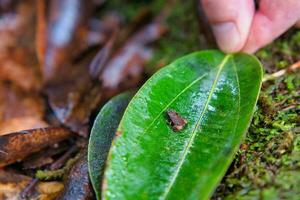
56,165
61,161
282,72
27,190
289,107
3,152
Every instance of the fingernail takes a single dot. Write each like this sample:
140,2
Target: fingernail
227,36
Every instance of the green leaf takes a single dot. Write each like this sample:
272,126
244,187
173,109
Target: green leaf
216,94
102,133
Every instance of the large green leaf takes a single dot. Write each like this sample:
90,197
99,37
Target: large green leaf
102,134
216,94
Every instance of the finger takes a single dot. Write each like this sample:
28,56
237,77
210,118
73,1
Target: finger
271,20
230,21
298,24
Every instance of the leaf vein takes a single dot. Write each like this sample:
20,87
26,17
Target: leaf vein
189,144
175,98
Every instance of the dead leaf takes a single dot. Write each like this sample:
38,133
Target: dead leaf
19,73
11,186
18,62
61,40
45,157
74,97
17,146
78,185
16,103
125,68
41,30
21,123
99,61
49,190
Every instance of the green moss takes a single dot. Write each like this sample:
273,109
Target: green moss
268,164
56,174
282,52
128,9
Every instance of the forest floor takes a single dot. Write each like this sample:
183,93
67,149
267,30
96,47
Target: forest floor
267,165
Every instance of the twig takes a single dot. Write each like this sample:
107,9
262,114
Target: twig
289,107
3,152
62,160
27,190
56,165
282,72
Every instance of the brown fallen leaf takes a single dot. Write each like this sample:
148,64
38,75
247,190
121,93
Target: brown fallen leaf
18,62
35,163
19,73
11,186
101,30
74,97
73,93
41,30
78,185
99,61
21,123
17,146
45,157
49,190
15,103
124,70
17,26
63,37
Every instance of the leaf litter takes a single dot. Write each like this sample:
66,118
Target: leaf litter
55,74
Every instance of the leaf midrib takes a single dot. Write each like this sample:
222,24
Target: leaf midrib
174,99
193,134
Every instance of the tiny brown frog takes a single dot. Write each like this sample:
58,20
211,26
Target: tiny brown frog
175,120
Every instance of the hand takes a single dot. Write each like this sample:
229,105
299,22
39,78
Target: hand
237,26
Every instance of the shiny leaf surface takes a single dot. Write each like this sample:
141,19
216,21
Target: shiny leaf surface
102,134
216,95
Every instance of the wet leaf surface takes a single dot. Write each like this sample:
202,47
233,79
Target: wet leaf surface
216,94
102,134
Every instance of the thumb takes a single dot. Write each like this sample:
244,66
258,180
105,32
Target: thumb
230,21
271,20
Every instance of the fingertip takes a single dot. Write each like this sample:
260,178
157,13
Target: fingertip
230,21
298,24
227,36
272,20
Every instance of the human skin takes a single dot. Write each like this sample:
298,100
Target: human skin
238,26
